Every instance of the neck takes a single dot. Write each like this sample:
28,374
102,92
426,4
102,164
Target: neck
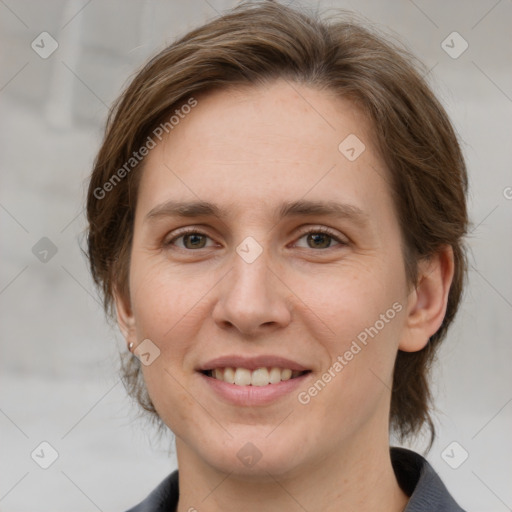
361,480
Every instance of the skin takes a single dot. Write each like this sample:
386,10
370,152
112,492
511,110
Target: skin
248,150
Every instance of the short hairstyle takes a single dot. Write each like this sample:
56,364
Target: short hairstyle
258,43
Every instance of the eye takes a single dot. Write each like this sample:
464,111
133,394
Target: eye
189,240
320,238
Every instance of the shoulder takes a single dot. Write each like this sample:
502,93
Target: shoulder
421,483
163,498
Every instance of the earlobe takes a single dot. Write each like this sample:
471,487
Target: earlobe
427,302
125,318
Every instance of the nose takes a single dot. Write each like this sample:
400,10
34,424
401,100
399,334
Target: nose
253,299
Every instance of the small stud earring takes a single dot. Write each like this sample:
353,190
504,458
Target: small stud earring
130,347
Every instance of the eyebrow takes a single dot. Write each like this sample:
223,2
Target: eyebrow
301,207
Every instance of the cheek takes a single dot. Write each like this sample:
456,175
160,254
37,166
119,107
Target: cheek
357,316
173,403
343,302
164,300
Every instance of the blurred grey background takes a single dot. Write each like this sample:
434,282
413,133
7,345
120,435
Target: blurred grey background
59,358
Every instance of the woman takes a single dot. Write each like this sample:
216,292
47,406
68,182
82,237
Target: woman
276,216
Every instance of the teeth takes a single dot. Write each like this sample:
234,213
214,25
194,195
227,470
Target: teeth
229,375
242,377
275,375
258,377
286,374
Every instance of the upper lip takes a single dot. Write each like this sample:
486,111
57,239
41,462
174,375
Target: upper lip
251,363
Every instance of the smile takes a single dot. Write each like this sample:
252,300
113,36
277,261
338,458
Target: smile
258,377
255,380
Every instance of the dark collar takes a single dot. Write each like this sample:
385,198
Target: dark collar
415,476
420,482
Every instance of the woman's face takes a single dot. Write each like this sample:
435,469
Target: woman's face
261,243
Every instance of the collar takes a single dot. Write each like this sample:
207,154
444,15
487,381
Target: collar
415,475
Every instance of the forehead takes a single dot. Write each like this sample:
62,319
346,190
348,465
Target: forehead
287,119
265,145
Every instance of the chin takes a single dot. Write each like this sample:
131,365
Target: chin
254,456
266,469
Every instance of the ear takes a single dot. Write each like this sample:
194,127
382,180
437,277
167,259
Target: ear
427,302
125,318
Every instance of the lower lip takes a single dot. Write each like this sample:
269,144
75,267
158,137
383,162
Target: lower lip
253,395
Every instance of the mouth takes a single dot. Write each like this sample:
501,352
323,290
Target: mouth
260,377
251,381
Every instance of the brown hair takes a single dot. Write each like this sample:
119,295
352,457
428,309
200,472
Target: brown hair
256,43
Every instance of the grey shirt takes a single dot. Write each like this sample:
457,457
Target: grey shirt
415,476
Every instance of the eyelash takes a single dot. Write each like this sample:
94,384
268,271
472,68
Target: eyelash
322,230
